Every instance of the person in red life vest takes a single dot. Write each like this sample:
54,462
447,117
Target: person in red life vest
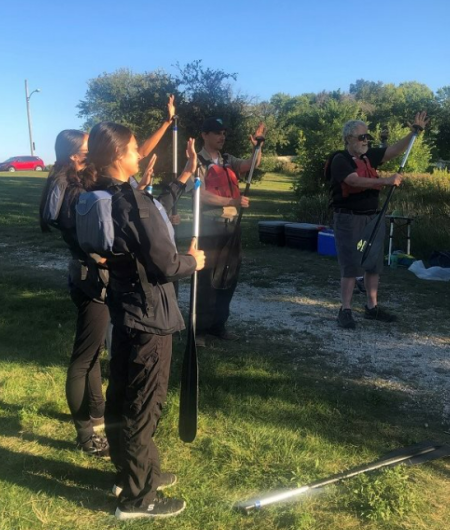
220,200
355,187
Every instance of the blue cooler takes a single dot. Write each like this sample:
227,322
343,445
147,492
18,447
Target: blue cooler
326,245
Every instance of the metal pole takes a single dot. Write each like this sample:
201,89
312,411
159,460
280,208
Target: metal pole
29,117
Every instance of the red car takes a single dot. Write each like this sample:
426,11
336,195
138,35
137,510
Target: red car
22,163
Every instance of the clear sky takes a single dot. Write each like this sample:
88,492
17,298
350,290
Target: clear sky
290,46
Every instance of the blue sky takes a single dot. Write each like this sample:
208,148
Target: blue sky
289,46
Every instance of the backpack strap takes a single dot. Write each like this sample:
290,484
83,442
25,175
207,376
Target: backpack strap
204,161
327,168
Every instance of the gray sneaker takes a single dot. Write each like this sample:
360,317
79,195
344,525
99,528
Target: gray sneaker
345,319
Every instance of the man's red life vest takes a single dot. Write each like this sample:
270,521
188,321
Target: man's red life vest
363,169
222,181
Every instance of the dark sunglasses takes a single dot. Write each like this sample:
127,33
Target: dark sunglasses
362,137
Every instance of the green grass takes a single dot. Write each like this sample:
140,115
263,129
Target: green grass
273,413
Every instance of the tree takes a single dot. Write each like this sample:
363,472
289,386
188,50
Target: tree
442,122
139,102
204,93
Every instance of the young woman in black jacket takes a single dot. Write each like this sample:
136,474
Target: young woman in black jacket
144,312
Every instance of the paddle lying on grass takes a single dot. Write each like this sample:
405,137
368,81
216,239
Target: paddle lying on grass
414,454
372,241
228,261
187,426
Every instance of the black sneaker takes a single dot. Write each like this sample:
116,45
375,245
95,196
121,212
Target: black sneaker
160,507
95,446
376,313
345,319
166,480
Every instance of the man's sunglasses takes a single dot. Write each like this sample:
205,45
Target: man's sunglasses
362,137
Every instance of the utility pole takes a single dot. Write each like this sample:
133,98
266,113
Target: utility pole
29,115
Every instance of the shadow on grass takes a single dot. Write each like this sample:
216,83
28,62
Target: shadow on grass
300,392
56,478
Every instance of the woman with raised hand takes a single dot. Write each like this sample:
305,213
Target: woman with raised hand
87,284
145,314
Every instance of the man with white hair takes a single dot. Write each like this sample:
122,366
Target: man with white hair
355,186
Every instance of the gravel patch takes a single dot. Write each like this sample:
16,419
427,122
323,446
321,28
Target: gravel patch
415,363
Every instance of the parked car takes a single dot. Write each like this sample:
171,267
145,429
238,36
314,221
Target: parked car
22,163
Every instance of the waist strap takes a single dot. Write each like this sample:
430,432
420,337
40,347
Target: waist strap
355,212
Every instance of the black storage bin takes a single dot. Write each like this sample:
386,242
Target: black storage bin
272,232
302,235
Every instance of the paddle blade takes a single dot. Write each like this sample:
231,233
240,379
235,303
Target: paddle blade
228,264
371,244
187,426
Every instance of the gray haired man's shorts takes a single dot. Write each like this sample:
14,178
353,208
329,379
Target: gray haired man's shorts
348,229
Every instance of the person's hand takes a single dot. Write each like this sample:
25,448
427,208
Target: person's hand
259,133
147,178
394,180
191,156
198,255
175,219
242,201
171,107
420,122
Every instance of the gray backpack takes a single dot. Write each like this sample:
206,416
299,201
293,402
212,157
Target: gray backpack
95,230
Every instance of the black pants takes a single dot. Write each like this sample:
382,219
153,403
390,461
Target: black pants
213,305
84,381
140,366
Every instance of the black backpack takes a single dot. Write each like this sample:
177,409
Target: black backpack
327,168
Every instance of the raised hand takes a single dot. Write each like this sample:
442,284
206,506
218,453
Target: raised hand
171,107
191,156
147,178
420,121
259,133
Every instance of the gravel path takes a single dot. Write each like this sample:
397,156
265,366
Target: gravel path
411,362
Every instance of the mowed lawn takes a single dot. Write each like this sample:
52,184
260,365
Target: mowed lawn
272,415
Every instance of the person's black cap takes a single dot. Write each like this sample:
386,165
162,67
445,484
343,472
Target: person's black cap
213,125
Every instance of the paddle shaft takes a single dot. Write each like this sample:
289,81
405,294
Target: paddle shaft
382,212
189,373
230,249
409,453
175,156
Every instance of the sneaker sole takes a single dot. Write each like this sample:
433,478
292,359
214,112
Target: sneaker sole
126,516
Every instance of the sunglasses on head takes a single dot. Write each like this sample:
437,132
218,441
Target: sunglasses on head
362,137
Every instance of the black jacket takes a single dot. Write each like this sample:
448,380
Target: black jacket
141,294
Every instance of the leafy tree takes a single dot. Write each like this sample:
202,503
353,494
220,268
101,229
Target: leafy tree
442,122
139,102
135,100
419,157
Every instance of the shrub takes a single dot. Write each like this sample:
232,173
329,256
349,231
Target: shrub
314,210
